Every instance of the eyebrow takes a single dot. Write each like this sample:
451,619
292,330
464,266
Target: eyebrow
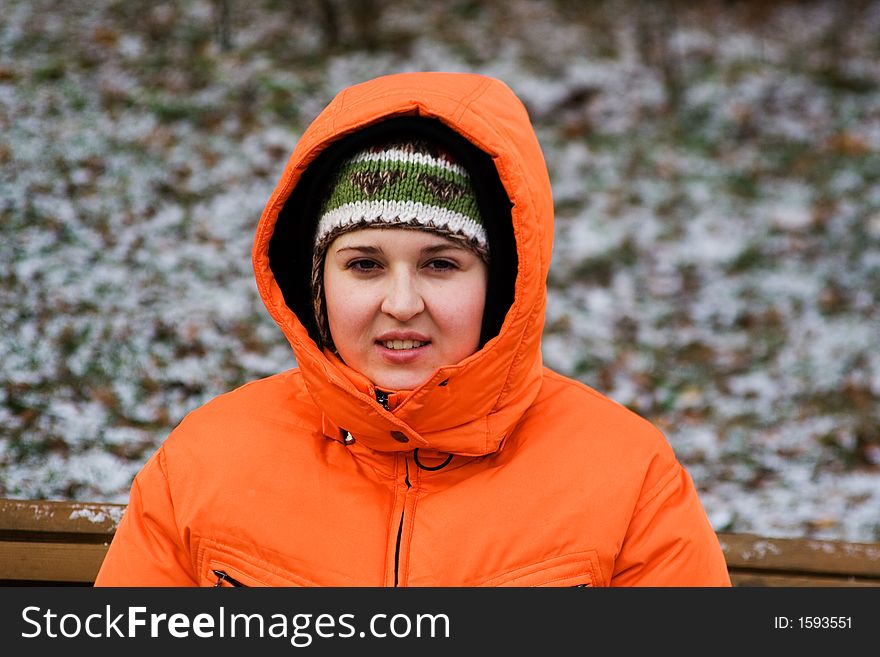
373,250
455,246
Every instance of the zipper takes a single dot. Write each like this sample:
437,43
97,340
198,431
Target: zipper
382,398
223,577
400,526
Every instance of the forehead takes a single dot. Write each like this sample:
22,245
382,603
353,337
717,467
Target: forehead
394,238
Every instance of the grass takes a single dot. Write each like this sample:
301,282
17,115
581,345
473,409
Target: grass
140,151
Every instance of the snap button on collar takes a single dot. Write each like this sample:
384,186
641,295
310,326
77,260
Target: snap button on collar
399,436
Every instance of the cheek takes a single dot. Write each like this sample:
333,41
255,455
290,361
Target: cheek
462,311
347,308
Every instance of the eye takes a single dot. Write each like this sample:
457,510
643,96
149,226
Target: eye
363,265
441,264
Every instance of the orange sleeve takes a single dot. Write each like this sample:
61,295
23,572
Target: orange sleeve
147,549
670,541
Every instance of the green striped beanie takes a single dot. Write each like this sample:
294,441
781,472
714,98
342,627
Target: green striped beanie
407,184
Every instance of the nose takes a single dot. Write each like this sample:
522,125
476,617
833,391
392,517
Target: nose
403,299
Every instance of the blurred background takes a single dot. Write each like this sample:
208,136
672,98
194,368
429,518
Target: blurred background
716,172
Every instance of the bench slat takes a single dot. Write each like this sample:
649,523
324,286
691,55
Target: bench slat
50,562
757,578
750,552
59,517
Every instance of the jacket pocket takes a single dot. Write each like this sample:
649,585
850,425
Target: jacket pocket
223,566
578,569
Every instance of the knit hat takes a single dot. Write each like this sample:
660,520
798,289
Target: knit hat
410,184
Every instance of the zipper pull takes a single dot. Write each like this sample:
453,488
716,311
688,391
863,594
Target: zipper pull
223,577
382,398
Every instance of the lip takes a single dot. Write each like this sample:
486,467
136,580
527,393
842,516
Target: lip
402,335
402,356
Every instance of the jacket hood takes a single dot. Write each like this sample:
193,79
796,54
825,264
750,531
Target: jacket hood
467,408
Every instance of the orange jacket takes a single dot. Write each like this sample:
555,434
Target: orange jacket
550,483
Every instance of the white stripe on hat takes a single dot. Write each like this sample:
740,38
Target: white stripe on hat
400,155
401,211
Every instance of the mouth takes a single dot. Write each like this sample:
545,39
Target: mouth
403,345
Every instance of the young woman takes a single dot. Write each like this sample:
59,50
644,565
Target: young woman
420,442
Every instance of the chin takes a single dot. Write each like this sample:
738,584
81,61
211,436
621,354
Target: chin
395,382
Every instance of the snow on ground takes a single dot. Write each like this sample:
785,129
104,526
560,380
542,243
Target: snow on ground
716,175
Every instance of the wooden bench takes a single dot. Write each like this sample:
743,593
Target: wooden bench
46,543
762,561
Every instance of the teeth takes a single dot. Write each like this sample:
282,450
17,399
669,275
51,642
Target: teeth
403,344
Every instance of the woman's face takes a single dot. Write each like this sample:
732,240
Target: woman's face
402,303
